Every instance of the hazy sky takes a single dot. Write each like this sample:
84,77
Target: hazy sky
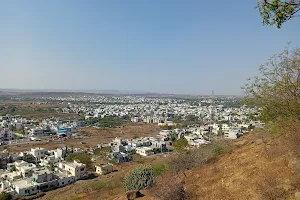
169,46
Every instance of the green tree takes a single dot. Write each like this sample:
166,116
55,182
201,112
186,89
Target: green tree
277,90
5,196
139,178
180,144
173,138
102,152
277,11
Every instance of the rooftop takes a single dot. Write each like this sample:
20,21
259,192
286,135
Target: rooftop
23,183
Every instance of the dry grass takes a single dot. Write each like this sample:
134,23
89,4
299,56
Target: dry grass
168,187
258,170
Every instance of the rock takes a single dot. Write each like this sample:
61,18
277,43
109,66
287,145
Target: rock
237,182
132,195
297,195
259,141
241,143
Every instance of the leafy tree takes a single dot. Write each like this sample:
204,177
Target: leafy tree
277,90
5,196
180,144
173,138
139,178
102,152
277,11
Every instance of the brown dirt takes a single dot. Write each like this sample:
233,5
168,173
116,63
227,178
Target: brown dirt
93,137
128,130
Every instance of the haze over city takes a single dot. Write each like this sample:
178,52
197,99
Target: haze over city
165,47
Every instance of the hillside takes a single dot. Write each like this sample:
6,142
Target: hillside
257,166
258,169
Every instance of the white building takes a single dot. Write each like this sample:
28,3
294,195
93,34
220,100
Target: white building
144,151
103,169
38,152
74,169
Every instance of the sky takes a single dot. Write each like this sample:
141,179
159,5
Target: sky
170,46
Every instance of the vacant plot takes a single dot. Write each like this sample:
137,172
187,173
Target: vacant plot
129,130
91,137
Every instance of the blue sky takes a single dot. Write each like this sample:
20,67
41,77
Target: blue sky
170,46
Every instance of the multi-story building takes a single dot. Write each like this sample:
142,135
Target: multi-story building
75,169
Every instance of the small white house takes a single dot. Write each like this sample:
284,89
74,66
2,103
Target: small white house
144,151
103,169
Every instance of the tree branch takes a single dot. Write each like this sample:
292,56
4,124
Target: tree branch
286,3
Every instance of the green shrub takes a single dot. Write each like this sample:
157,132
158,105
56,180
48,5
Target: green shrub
5,196
159,169
173,138
219,148
139,178
180,144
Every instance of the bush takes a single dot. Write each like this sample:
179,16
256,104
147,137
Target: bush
102,152
139,178
159,169
173,138
219,148
185,160
180,144
5,196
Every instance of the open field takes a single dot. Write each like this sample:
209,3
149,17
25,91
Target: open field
128,130
35,110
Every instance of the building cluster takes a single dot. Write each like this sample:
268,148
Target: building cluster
21,127
122,148
30,172
197,135
157,110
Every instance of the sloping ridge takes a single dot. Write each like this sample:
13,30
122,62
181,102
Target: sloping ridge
255,169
